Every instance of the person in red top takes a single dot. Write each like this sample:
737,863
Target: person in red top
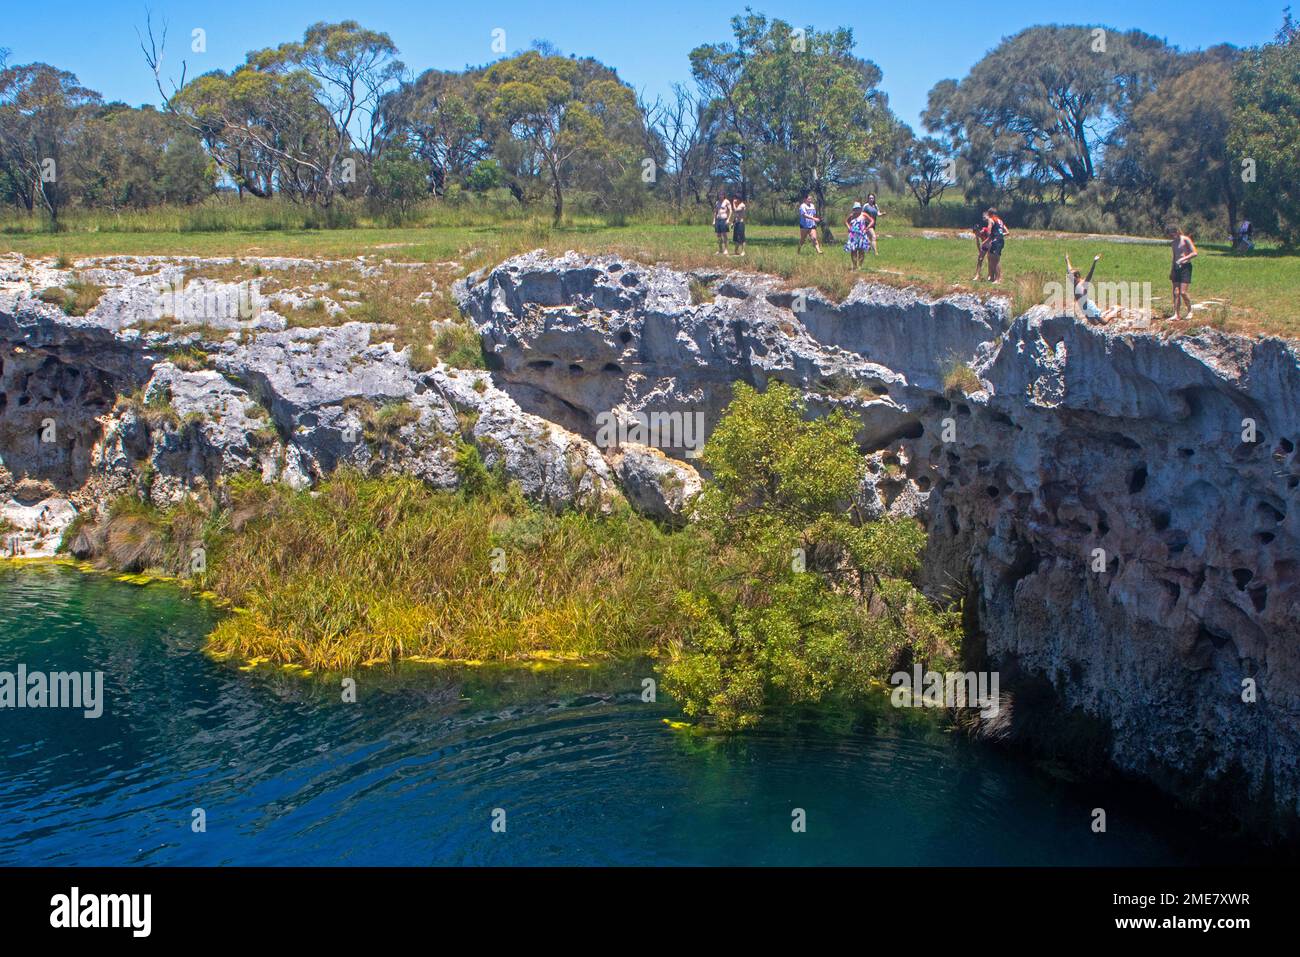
983,236
998,236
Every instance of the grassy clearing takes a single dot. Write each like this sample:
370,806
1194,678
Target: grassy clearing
1253,294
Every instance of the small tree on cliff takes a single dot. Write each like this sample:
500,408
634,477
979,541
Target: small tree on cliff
816,599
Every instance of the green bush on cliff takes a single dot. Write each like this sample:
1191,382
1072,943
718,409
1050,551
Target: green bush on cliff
812,598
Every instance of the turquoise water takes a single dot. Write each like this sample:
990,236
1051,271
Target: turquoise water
287,773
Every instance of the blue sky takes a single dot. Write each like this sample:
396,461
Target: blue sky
915,42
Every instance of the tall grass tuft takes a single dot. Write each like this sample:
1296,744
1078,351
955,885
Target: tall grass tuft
376,569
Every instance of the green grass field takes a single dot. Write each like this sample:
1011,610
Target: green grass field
1253,293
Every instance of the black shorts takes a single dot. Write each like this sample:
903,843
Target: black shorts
720,227
996,244
738,232
1181,274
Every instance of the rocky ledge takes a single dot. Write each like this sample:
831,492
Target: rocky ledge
1116,509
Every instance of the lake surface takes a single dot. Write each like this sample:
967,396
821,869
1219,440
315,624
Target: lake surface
585,772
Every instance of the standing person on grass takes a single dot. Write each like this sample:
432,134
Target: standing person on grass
1180,273
808,220
722,221
859,241
874,212
983,239
997,239
738,210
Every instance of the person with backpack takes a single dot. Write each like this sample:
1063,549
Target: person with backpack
1245,237
997,239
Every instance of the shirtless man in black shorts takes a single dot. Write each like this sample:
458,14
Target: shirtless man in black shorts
1180,273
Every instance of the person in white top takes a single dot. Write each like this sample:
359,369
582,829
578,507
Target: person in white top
808,220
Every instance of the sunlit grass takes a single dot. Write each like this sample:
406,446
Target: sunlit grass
378,569
1252,293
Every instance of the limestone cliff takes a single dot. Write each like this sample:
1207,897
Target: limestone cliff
1118,509
1167,462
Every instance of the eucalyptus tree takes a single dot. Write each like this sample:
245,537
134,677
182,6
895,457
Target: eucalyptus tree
43,111
558,118
928,168
297,117
1035,114
1265,138
437,116
804,114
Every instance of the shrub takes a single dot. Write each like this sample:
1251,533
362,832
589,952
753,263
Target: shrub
76,299
960,377
815,600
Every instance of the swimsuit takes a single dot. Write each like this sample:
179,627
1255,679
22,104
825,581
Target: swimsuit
998,233
720,219
1090,309
858,240
1180,274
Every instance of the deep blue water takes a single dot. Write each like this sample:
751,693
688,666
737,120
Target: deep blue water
288,773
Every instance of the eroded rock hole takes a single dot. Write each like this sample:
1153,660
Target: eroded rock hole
1024,564
1268,513
1138,480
